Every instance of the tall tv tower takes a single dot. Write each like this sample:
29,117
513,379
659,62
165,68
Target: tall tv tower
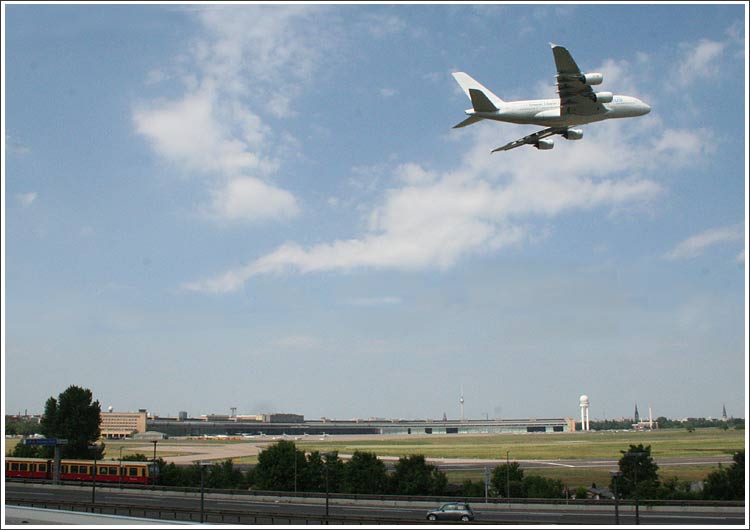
461,402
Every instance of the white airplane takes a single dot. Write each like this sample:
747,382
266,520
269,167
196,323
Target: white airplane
578,104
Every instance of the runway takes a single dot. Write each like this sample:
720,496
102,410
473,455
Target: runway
220,452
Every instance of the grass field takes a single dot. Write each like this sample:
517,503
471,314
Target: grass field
548,446
544,446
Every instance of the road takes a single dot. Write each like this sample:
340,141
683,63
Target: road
290,510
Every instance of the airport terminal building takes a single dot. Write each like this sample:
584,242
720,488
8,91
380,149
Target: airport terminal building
296,425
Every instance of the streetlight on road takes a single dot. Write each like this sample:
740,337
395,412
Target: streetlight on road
615,476
203,466
507,475
119,471
94,448
153,478
328,457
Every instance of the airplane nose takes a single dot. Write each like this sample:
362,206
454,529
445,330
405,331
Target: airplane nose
645,108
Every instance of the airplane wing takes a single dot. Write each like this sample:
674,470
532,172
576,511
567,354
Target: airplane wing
532,138
576,97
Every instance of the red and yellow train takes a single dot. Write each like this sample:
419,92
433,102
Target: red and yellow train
106,470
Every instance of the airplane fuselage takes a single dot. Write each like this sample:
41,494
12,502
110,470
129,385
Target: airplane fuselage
546,112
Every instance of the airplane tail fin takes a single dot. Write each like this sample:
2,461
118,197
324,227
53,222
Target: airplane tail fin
468,121
482,99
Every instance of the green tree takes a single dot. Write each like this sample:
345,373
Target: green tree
136,457
364,473
676,489
277,471
414,476
727,483
313,476
639,473
75,417
21,426
536,487
29,451
223,475
507,477
470,488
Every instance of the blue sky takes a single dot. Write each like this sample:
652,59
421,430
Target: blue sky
265,207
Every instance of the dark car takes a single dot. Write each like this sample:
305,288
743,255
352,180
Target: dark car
453,511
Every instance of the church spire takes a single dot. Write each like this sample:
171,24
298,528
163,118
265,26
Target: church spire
636,416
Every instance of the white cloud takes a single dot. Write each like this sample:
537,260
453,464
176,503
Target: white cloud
699,61
388,92
250,199
434,219
189,132
694,246
25,199
248,62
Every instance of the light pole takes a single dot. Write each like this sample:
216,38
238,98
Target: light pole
93,478
153,479
486,483
120,470
615,476
203,466
507,475
635,487
328,457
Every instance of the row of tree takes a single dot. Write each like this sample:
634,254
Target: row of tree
639,477
284,467
665,423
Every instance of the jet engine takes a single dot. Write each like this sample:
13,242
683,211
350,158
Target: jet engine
603,97
573,134
592,79
544,144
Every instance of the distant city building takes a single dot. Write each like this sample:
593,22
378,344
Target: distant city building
215,417
272,424
122,424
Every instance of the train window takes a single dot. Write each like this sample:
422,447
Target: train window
64,468
24,467
14,466
102,470
74,469
42,467
133,471
113,470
